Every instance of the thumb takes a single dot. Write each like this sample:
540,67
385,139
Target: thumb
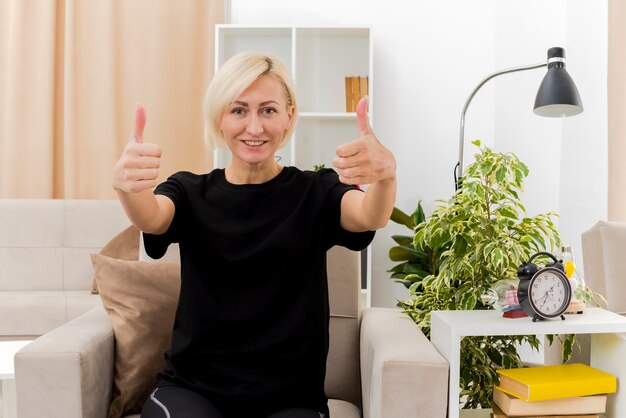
362,122
140,122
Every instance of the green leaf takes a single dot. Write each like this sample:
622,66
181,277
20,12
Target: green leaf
410,268
402,254
508,212
397,276
398,268
511,191
479,190
501,174
401,218
418,216
486,168
403,240
413,278
568,344
526,238
468,303
497,257
524,169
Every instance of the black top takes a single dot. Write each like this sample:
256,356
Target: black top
251,326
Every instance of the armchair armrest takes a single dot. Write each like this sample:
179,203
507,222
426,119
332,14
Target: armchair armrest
68,371
402,373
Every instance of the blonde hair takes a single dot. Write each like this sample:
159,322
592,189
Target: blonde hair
232,79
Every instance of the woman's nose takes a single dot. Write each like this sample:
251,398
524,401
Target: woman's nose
255,126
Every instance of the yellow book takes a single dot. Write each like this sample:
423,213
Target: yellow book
496,412
514,407
555,382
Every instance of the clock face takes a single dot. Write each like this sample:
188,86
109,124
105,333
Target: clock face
549,292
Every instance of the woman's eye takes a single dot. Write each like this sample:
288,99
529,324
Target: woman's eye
269,110
238,111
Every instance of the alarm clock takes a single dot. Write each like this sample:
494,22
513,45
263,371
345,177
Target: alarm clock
543,293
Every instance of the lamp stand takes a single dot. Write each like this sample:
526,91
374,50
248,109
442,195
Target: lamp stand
458,173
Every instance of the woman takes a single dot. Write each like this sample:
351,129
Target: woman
250,335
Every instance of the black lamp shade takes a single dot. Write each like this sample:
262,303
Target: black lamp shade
557,95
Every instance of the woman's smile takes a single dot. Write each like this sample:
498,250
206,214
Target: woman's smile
253,143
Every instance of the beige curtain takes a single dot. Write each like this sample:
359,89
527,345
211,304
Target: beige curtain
617,111
71,72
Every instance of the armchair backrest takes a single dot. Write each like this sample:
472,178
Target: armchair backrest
603,256
344,288
46,243
46,273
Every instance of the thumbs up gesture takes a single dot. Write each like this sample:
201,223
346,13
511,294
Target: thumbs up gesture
138,167
364,160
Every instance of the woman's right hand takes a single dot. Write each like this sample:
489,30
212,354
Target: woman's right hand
134,176
138,167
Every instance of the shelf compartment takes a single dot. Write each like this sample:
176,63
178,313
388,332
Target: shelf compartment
322,60
269,40
318,139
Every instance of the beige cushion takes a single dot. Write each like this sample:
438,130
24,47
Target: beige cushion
141,299
344,288
343,380
124,246
343,409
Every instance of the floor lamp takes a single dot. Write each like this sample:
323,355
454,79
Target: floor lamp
557,96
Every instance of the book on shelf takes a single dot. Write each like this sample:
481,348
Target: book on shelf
555,382
514,407
362,87
356,95
356,87
496,412
348,94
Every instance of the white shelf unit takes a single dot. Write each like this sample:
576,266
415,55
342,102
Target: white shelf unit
319,59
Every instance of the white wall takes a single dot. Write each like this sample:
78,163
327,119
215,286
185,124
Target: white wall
567,158
429,55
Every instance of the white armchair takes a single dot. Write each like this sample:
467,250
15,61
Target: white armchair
380,365
603,248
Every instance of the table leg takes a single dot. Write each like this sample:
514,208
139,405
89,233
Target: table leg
607,353
9,396
450,348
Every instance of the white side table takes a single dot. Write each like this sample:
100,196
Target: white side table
8,400
447,328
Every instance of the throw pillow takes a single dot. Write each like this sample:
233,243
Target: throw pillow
124,246
140,298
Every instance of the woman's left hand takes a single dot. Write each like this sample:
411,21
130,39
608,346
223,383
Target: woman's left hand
364,160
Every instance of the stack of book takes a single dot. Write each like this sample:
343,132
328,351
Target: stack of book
356,87
566,390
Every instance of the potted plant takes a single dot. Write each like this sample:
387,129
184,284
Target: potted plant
478,237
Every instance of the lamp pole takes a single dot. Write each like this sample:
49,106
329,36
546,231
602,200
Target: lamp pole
557,96
459,166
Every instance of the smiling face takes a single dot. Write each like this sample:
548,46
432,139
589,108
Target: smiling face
254,124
